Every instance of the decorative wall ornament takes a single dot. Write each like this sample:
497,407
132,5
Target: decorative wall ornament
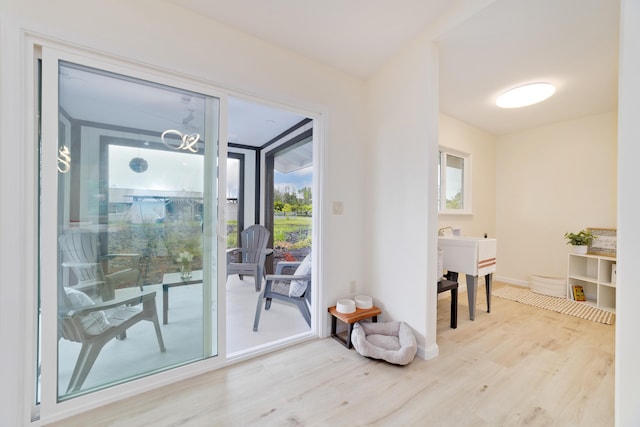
188,141
138,164
64,159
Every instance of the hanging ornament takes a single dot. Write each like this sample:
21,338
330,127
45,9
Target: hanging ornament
138,164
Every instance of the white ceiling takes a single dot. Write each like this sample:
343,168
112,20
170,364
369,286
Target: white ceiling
571,43
101,97
356,36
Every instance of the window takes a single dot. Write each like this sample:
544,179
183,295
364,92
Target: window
454,182
126,207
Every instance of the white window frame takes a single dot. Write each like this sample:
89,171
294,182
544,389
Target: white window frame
49,410
50,407
466,184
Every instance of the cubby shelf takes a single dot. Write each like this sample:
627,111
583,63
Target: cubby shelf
594,274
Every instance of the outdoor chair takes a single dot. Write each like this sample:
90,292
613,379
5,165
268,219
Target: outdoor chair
248,260
80,252
95,323
291,288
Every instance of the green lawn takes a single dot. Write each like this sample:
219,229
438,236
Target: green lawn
291,232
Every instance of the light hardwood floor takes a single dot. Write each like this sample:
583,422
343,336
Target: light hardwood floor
517,366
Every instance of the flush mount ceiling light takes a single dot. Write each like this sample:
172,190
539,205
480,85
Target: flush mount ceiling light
528,94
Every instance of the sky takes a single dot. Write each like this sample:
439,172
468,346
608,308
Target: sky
297,179
175,171
167,170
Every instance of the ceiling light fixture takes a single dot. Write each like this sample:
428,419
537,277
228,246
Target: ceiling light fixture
525,95
138,164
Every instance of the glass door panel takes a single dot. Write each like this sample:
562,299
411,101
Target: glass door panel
292,168
136,196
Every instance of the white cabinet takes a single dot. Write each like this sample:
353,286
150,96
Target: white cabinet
594,274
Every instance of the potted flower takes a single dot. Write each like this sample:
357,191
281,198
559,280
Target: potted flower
580,240
185,258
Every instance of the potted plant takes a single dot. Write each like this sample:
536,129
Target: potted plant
580,240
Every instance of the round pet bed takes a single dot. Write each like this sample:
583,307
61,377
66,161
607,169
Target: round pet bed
393,342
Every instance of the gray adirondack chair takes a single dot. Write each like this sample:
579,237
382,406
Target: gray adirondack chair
80,252
279,286
248,260
94,323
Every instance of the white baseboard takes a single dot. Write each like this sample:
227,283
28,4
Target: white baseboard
511,281
428,354
507,280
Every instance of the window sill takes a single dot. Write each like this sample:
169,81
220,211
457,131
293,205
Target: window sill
455,212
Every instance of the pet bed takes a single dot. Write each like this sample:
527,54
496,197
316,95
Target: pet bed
393,342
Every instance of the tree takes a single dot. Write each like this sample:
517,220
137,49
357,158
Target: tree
455,202
306,195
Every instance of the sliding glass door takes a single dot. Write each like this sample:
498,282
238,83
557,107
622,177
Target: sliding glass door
128,249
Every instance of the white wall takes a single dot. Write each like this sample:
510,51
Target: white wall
628,293
407,141
481,145
550,180
153,33
403,161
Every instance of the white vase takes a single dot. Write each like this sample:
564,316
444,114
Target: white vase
580,249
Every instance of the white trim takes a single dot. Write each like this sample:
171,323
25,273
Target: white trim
315,220
467,172
511,281
219,299
50,410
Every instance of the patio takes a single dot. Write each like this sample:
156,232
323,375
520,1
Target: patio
138,354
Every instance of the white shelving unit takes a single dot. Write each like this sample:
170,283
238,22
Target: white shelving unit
593,273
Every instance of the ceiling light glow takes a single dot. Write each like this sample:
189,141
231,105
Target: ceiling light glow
528,94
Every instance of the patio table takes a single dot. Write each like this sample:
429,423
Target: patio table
169,280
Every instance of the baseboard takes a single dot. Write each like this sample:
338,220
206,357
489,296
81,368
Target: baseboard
427,354
510,281
502,279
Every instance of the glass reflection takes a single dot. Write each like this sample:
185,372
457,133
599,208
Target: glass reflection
132,203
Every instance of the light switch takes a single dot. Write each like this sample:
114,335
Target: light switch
338,208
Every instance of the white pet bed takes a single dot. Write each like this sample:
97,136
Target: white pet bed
390,341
